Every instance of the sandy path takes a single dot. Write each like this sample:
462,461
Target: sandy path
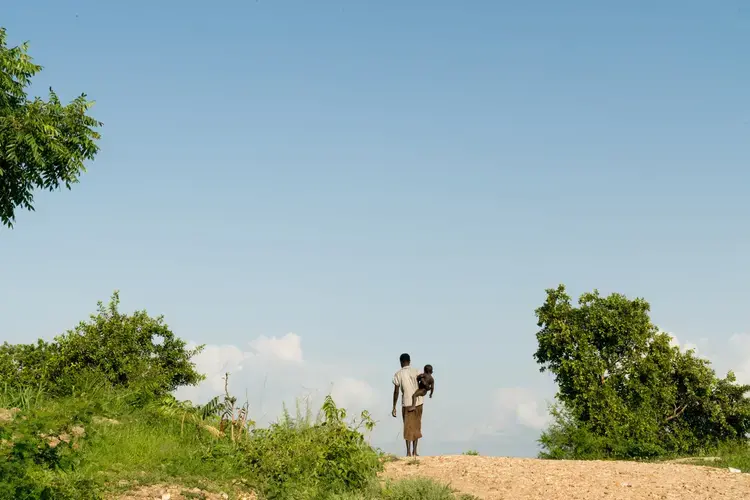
526,479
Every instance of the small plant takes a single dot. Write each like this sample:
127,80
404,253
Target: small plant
238,424
472,453
387,457
420,489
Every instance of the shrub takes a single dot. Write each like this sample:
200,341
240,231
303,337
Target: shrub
39,451
112,348
420,489
300,459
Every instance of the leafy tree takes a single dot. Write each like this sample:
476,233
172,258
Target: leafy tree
127,349
118,349
623,389
43,144
26,364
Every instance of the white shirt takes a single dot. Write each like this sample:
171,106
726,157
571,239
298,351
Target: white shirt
406,379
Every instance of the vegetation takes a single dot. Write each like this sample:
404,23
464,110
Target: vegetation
92,413
735,455
625,391
43,143
124,351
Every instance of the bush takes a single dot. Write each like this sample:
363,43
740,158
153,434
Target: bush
40,450
300,459
21,482
420,489
112,348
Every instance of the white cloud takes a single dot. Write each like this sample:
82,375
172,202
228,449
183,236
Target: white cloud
217,360
520,406
687,346
214,362
271,374
353,394
740,344
286,348
530,415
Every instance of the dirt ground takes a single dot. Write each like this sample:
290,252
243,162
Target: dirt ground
171,492
526,479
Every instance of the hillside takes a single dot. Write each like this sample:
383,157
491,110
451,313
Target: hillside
522,479
92,415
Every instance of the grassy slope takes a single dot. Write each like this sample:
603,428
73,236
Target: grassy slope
143,454
142,446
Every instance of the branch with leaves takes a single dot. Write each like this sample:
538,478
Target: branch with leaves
43,144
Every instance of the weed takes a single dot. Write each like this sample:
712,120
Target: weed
735,455
405,489
418,489
388,457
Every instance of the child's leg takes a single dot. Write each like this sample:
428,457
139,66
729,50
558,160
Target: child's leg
418,393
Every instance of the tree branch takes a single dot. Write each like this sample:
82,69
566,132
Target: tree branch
677,412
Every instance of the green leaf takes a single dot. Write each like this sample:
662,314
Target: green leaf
623,390
45,143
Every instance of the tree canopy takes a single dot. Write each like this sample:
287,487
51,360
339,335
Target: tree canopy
120,350
43,143
624,390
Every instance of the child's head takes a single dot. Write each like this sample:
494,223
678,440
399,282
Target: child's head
428,369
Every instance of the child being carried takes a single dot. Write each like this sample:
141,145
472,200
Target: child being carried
426,383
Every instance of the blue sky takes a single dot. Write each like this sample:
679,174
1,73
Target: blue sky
379,177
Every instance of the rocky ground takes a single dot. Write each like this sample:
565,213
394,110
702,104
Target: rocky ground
496,478
173,492
526,479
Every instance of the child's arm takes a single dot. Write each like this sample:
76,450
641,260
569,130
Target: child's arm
432,388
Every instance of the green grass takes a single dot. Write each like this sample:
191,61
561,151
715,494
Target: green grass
406,489
301,457
136,450
734,455
737,456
